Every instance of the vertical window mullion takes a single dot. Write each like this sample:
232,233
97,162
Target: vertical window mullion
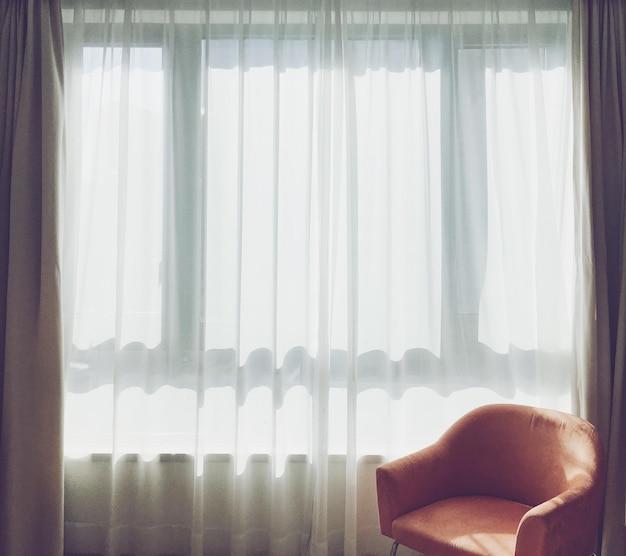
184,195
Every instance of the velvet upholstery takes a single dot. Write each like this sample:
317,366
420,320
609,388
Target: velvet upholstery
504,479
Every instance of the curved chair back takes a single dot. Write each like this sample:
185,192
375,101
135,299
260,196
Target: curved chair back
522,453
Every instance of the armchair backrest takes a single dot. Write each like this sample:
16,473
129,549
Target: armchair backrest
522,453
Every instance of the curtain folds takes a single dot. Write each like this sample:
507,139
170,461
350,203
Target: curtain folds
31,468
300,239
603,51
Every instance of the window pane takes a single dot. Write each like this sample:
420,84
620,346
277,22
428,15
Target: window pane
121,197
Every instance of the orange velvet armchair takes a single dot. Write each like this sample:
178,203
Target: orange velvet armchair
503,480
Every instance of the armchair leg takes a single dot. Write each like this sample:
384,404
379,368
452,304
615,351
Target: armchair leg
394,548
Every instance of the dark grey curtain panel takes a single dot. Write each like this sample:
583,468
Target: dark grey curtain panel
603,34
31,481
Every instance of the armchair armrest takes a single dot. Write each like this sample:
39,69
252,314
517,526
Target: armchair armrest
411,482
560,525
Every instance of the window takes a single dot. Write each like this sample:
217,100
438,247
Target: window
277,217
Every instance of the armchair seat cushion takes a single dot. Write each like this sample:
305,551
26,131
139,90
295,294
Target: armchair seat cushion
462,526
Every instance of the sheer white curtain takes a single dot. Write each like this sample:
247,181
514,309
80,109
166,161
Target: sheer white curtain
302,238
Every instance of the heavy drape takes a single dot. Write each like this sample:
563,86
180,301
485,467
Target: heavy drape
31,484
603,101
301,238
